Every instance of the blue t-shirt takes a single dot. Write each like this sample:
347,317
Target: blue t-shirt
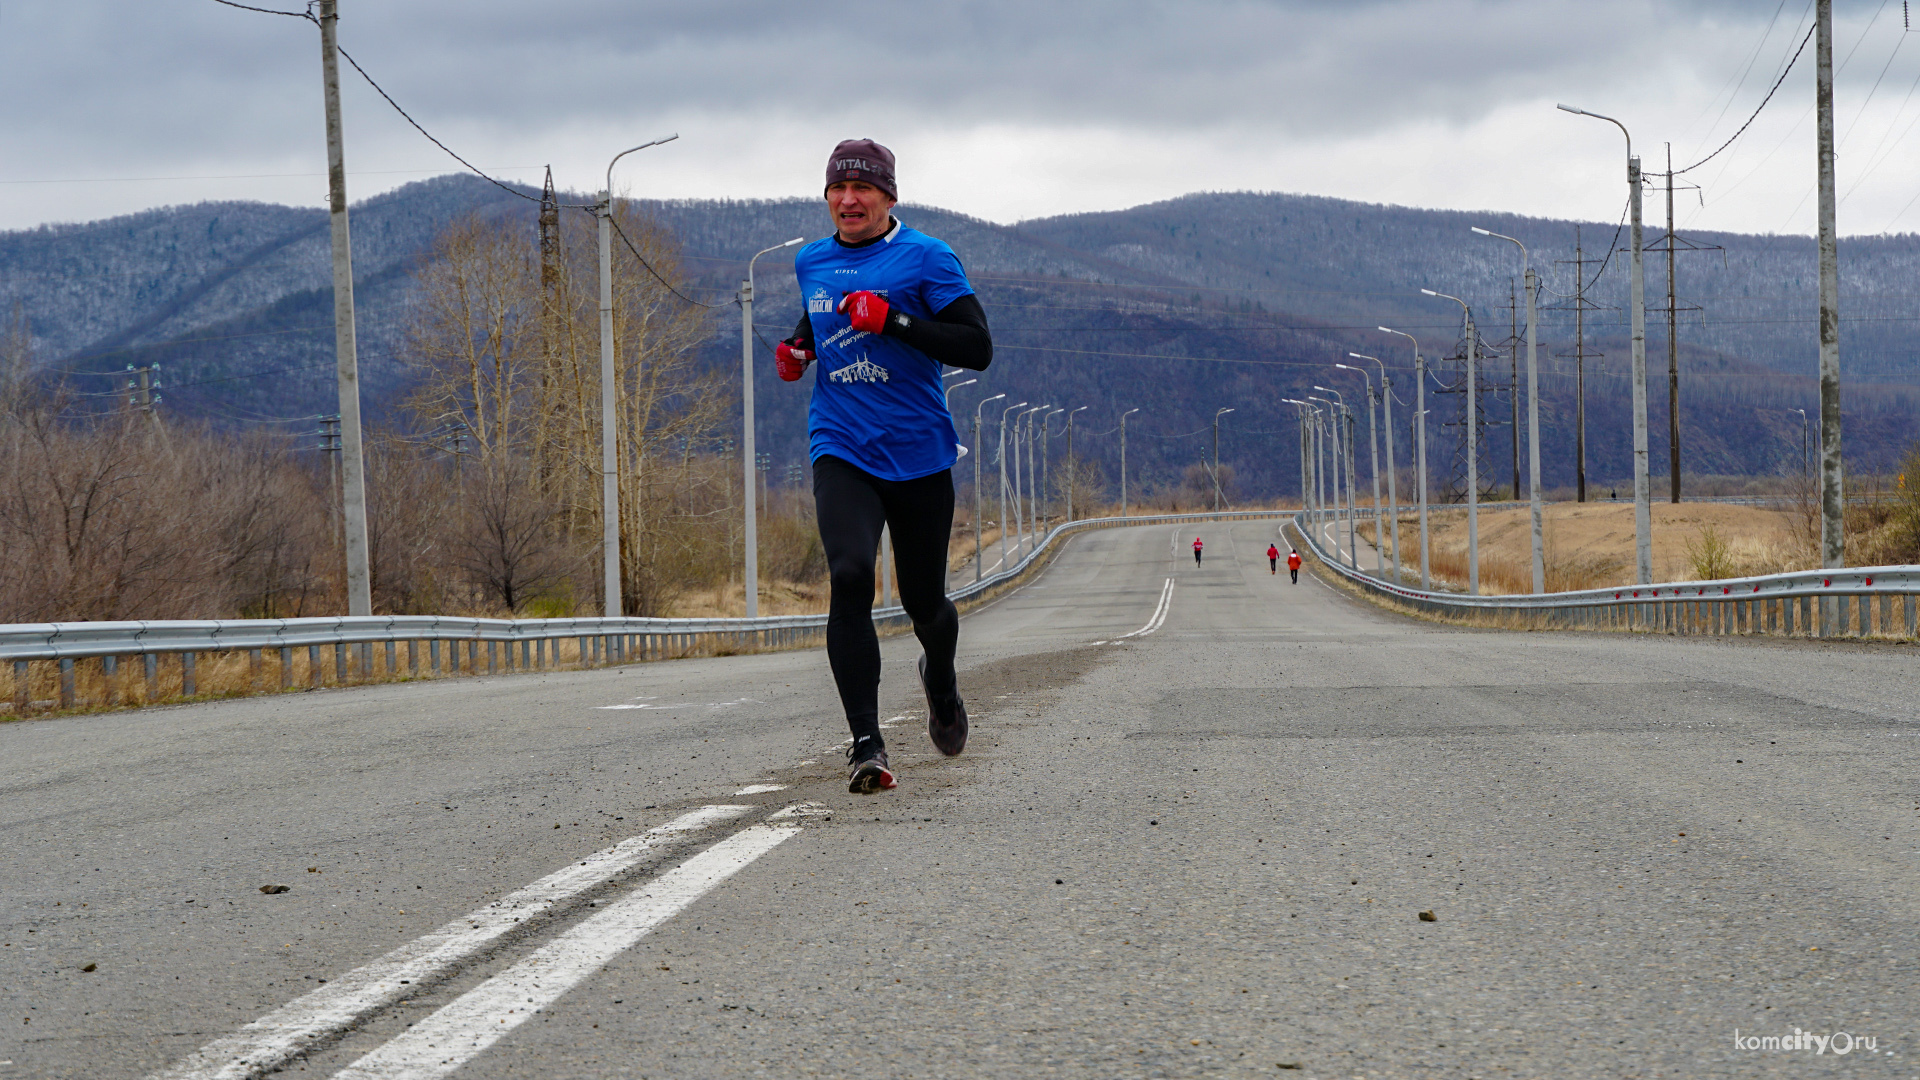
877,401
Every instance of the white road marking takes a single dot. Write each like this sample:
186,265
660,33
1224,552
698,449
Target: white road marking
761,789
477,1019
1159,615
285,1033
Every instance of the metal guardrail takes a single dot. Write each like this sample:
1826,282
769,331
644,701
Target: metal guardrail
540,644
1827,603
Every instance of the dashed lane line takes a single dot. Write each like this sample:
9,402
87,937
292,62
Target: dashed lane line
289,1031
467,1026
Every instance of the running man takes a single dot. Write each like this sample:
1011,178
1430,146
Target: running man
886,307
1273,559
1196,551
1293,564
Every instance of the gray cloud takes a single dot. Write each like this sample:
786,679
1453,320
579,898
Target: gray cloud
195,88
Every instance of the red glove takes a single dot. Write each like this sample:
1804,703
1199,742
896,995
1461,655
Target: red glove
791,358
867,310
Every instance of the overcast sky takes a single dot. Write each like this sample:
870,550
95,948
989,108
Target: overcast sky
1005,109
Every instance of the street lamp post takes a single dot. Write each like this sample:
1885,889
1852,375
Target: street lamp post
1533,418
1420,446
1343,458
1334,435
1393,491
1473,443
1373,463
1803,444
1035,420
1002,455
748,458
1046,455
1637,307
1023,429
1308,417
609,451
1300,417
1073,476
1123,460
979,526
1216,457
954,387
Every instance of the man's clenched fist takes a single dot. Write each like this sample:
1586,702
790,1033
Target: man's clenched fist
867,311
791,357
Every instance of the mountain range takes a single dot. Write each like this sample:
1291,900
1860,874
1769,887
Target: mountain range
1179,308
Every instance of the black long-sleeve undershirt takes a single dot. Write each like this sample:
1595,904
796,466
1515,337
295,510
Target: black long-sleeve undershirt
956,335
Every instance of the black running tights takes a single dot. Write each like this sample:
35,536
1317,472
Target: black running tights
852,505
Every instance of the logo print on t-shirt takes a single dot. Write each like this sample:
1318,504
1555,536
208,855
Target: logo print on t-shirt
820,303
862,370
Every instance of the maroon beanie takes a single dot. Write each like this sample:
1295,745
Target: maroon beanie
863,159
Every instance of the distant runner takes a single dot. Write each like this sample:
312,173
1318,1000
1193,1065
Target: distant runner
1273,559
1293,565
1196,551
886,306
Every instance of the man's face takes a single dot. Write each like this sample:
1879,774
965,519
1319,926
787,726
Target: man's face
860,210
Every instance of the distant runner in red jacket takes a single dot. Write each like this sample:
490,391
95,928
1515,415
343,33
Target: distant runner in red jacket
1293,565
1196,551
1273,559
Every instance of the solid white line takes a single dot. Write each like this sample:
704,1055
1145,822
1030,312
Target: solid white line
1159,614
760,789
288,1031
477,1019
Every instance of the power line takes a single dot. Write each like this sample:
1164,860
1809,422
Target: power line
643,262
1756,112
307,15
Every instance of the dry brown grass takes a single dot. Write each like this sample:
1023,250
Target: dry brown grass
1590,545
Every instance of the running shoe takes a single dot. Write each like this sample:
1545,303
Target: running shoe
868,757
946,716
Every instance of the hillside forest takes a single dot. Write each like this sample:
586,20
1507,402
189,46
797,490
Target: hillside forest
168,379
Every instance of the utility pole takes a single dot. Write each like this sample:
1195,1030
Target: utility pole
1123,460
1393,490
1580,305
346,353
1373,464
610,604
1513,355
1833,550
1673,349
1420,446
1579,368
1473,441
329,436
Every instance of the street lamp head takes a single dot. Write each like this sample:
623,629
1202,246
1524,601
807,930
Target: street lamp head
1364,356
1429,292
1571,109
1481,231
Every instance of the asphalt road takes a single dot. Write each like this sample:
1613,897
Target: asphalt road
1199,851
